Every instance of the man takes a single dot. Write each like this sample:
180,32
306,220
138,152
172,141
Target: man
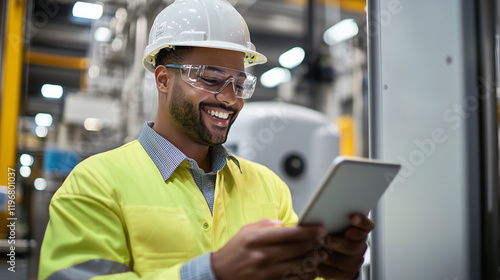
175,204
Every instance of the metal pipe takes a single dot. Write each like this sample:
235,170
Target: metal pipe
374,127
487,96
311,53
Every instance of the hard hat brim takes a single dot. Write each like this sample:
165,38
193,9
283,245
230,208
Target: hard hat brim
149,55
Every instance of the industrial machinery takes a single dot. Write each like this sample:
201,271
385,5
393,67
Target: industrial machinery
296,142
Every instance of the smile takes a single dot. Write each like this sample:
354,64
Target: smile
220,115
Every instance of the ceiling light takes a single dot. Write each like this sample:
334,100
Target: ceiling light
25,171
92,124
43,119
40,184
292,58
102,34
52,91
275,76
117,44
94,71
345,29
26,160
41,131
87,10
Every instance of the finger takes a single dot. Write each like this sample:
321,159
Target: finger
362,222
320,228
298,268
354,234
345,246
273,235
265,223
344,262
288,251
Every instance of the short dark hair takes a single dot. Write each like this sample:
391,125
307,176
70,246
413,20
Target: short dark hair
172,56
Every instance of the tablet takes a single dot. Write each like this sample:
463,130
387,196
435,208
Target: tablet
351,186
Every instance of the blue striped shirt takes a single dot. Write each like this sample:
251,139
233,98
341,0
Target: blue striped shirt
167,158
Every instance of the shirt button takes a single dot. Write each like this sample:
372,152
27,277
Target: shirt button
205,226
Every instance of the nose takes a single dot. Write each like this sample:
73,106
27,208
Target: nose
228,93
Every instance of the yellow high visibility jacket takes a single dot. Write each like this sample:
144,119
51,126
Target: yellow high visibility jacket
115,216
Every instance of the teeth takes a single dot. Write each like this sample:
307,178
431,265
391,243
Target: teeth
218,114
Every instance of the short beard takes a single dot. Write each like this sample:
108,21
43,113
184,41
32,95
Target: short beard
188,119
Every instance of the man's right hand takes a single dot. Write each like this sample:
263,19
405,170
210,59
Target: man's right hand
269,250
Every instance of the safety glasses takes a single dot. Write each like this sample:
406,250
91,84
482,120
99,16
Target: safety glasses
214,79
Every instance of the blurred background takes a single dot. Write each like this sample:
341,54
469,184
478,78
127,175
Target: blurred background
74,85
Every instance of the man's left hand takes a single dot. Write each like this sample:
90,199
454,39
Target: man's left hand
345,254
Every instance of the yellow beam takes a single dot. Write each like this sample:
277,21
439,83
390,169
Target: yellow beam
347,127
11,89
356,6
79,63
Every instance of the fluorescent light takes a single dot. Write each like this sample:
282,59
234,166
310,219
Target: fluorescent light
52,91
292,58
345,29
92,124
102,34
40,184
26,160
43,119
41,131
87,10
25,171
275,76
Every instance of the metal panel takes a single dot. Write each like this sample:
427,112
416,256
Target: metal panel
487,88
377,270
426,117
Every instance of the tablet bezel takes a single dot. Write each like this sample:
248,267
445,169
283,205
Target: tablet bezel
335,214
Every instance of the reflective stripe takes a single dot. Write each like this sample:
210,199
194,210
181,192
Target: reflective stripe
89,269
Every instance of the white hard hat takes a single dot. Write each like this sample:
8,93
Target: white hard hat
200,23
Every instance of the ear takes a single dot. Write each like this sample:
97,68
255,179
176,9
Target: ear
162,76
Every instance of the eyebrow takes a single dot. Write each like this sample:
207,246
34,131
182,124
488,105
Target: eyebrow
219,70
213,68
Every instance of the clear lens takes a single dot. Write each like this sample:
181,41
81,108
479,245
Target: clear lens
215,79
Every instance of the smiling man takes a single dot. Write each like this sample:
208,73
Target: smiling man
192,121
175,204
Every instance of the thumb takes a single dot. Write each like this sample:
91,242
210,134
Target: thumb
269,223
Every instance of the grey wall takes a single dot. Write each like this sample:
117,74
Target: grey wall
425,116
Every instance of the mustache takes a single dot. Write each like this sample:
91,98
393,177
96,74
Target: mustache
219,105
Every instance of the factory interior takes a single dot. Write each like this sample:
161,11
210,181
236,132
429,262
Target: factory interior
399,80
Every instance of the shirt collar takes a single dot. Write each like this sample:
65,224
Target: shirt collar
168,157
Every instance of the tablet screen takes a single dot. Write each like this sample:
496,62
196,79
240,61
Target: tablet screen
350,186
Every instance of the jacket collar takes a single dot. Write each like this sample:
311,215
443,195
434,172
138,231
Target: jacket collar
168,157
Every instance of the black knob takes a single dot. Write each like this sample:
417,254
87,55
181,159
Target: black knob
294,165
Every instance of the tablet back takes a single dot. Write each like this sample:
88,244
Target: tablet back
351,185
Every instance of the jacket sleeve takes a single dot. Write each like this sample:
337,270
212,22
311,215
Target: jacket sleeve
86,237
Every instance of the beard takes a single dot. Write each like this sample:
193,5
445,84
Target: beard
188,119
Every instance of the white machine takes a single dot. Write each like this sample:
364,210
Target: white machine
297,143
